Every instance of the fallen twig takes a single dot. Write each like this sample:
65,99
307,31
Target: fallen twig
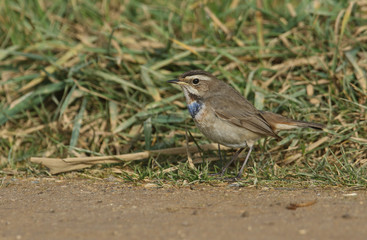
59,165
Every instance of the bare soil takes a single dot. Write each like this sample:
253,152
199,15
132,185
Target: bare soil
51,208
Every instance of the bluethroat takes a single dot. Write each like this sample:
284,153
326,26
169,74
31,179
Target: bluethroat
224,116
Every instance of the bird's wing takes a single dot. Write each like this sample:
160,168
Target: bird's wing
237,110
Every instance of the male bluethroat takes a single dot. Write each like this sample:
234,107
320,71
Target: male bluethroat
224,116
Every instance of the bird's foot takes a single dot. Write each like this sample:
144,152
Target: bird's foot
239,176
220,176
229,179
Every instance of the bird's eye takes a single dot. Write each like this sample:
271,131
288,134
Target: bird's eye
195,81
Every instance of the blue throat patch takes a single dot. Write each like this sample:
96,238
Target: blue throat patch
194,108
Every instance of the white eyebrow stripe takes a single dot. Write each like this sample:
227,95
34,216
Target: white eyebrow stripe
201,77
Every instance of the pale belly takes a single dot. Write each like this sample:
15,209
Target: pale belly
223,132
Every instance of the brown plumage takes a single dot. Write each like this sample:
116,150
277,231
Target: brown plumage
223,115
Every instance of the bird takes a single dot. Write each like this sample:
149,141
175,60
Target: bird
224,116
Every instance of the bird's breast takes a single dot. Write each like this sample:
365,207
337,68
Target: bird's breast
195,108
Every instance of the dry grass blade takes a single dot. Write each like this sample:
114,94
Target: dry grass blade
6,52
259,27
77,124
119,80
217,22
189,157
346,19
194,161
309,148
185,46
166,62
52,68
312,61
360,74
152,89
29,100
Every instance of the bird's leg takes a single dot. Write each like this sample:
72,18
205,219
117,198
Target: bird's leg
220,154
235,156
239,175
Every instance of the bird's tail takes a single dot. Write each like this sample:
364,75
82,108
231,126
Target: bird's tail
278,122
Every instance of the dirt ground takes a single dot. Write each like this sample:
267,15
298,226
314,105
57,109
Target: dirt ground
50,208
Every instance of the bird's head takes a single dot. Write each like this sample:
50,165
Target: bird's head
195,83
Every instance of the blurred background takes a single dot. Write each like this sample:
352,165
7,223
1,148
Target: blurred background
88,78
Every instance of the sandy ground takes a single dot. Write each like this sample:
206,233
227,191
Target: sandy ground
88,209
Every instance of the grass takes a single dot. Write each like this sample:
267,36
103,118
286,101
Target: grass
88,78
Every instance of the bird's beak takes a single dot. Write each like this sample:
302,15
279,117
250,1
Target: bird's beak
176,81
